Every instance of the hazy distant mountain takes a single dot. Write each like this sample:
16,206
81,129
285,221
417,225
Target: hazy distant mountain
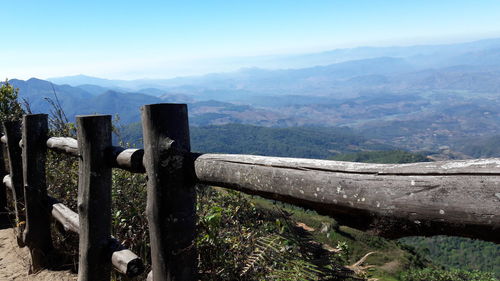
419,97
81,79
425,55
76,100
36,91
317,68
423,119
93,89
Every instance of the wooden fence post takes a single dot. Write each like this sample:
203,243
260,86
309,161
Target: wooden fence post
94,197
34,150
4,215
12,130
171,192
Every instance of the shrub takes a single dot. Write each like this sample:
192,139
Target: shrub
430,274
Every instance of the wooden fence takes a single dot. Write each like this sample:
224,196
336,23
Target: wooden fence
453,197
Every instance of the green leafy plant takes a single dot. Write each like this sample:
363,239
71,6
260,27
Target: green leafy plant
10,108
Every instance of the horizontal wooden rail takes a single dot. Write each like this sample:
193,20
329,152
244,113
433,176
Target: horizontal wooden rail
431,198
123,260
460,197
128,159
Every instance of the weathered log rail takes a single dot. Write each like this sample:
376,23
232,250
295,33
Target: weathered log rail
460,197
450,197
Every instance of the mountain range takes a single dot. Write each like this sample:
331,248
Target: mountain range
418,97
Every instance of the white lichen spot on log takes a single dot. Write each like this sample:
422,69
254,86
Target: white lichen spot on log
469,163
378,204
441,212
497,195
344,196
363,199
412,182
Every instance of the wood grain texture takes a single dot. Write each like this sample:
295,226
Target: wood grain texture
454,197
4,214
129,159
66,217
124,260
37,234
12,130
171,192
63,144
94,197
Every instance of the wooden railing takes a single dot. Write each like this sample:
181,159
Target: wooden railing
453,197
26,148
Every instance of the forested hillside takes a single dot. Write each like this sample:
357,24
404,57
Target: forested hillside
302,142
391,156
458,252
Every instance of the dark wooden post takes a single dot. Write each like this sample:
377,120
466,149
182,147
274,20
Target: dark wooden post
12,131
4,215
171,193
37,233
94,197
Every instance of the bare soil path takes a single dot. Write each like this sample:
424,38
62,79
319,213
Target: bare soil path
14,262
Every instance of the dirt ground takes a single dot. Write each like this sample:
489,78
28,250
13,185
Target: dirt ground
14,262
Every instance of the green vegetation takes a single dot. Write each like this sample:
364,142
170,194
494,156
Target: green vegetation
458,252
303,142
240,240
388,259
287,142
393,156
429,274
481,147
10,108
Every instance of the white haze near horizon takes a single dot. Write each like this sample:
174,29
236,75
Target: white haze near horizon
134,68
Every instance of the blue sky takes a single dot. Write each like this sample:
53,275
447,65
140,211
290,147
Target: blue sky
160,39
